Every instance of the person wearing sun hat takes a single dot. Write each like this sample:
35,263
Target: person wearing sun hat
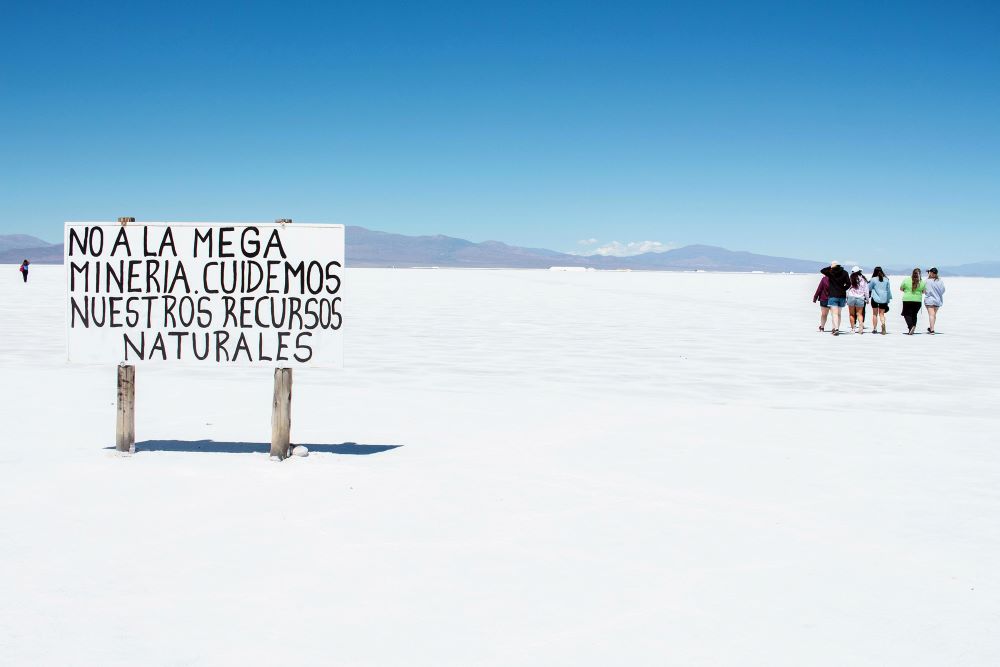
839,282
857,299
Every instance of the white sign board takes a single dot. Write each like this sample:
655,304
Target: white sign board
209,294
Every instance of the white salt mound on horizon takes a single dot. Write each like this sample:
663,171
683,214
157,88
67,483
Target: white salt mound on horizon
517,468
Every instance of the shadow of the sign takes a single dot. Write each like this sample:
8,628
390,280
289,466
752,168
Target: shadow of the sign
217,447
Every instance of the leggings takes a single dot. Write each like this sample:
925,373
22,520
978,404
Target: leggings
910,310
24,274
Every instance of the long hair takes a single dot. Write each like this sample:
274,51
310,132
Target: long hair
878,273
916,279
856,279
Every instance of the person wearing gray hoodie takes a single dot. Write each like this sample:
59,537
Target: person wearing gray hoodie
933,297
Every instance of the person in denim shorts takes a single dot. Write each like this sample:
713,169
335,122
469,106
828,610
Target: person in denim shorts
839,282
857,299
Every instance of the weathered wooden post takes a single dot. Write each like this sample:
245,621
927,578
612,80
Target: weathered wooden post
125,420
281,413
281,404
125,423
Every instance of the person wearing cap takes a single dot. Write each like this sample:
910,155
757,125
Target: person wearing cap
857,298
881,294
822,294
913,292
837,299
933,297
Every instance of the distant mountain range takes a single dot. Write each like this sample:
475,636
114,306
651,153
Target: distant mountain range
17,247
367,248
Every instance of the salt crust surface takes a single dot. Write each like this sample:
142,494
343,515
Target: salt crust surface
595,468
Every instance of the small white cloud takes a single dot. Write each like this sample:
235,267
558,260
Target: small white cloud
619,249
587,241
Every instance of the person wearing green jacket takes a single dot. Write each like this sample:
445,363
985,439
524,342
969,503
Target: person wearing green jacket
913,294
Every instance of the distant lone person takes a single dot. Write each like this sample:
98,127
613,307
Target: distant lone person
24,270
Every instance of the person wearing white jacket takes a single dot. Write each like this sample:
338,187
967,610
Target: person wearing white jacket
857,299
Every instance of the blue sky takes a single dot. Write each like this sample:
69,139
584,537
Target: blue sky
861,130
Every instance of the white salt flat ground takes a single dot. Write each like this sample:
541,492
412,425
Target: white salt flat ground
599,468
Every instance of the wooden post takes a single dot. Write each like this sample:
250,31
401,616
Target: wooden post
125,423
281,404
281,413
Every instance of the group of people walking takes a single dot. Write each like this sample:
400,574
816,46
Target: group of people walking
839,289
